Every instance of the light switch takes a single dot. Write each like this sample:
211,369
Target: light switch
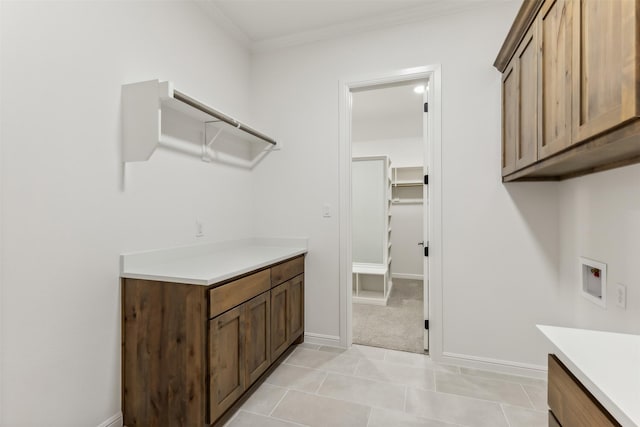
621,295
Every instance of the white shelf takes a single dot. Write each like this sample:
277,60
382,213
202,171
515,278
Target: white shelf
408,183
371,282
408,201
144,107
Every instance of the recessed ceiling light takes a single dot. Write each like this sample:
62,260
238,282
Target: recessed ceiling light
419,89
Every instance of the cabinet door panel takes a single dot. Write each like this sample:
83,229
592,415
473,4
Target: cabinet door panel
509,118
280,327
527,57
604,88
571,403
555,35
296,314
227,370
258,332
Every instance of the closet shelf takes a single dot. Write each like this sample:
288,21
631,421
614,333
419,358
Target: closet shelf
407,201
145,103
412,183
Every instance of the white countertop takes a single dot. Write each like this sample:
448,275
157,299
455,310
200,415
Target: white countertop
606,363
209,263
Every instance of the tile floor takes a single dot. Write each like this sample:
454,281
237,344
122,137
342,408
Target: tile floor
373,387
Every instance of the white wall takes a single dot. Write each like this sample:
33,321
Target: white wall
600,219
499,242
401,151
66,218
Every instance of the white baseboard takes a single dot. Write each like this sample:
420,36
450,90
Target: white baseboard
114,421
495,365
321,339
407,276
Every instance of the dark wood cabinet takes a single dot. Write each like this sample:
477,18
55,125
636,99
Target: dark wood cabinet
510,117
258,337
287,314
581,60
554,72
605,86
190,352
227,364
527,69
296,304
280,326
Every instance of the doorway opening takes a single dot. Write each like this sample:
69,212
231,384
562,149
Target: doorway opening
387,212
387,197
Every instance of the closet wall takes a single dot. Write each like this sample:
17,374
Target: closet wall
406,219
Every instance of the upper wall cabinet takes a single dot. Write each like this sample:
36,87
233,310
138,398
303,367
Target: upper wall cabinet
155,114
570,89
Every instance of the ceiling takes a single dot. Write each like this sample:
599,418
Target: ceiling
385,102
390,112
268,24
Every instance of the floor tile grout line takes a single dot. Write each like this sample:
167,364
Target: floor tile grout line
279,402
512,380
326,375
353,402
369,416
533,406
404,405
498,402
267,416
357,366
504,414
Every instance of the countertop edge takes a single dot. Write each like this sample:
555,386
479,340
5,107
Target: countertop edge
583,377
294,252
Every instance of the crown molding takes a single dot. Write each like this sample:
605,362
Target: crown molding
427,11
224,22
404,16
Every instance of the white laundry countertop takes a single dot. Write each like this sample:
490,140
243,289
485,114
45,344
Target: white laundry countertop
606,363
210,263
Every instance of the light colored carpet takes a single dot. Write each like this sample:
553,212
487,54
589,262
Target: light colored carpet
397,326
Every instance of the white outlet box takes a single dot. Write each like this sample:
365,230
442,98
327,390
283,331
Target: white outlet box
594,281
621,295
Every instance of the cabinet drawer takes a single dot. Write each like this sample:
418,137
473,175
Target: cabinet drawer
235,293
285,271
571,403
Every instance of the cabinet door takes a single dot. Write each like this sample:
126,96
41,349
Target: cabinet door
605,92
258,332
527,68
510,117
554,38
226,356
296,314
280,326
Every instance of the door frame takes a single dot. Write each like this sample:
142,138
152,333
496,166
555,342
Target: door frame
432,73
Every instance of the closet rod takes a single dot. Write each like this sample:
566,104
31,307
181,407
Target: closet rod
220,116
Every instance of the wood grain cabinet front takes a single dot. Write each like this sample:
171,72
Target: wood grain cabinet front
280,327
287,314
257,337
190,353
227,364
573,68
570,403
554,27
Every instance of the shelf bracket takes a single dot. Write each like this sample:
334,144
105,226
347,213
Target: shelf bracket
207,144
